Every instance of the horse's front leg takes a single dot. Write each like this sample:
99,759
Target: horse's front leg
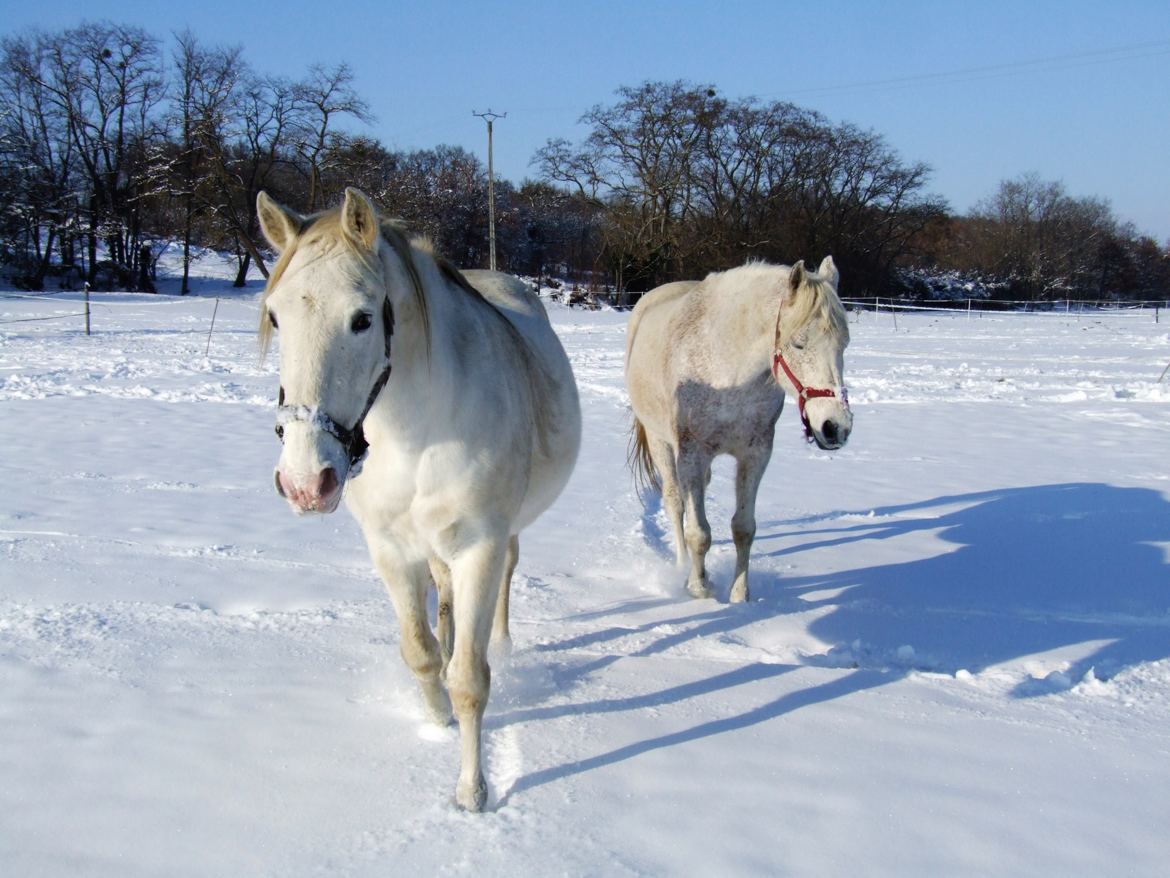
476,574
408,583
749,472
693,468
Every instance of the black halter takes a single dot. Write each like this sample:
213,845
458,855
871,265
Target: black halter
352,439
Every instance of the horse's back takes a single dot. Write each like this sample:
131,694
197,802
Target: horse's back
657,305
523,309
509,295
559,411
650,341
654,321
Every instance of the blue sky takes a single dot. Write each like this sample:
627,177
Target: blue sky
1075,91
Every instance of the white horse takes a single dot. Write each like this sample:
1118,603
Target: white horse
708,364
446,404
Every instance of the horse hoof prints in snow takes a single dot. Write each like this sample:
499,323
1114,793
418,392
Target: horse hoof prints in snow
444,405
708,364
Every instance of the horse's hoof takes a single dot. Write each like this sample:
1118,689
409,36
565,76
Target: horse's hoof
471,796
441,718
439,707
698,590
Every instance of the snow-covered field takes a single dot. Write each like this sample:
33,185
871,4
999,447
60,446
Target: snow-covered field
957,661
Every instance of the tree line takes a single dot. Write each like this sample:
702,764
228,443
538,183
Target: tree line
112,144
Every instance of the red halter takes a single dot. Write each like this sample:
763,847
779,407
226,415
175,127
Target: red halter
805,393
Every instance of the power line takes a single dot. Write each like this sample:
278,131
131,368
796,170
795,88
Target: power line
1070,60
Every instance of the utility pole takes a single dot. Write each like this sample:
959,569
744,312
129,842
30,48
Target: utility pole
490,117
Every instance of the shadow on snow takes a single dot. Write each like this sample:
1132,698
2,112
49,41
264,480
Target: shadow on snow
1031,570
1035,569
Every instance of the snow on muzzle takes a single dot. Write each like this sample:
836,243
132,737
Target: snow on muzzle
313,464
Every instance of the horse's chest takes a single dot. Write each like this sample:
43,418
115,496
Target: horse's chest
726,418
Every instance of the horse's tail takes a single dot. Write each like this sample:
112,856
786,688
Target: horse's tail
646,474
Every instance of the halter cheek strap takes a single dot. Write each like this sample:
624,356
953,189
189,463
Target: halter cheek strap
352,439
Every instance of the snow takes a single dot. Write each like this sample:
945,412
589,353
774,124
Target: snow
957,659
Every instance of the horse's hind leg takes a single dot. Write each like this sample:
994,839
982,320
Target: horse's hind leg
694,467
408,585
749,471
501,644
445,623
663,456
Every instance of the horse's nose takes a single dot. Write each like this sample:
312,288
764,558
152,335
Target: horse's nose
318,493
829,431
834,434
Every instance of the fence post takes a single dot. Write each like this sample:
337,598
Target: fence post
87,307
214,311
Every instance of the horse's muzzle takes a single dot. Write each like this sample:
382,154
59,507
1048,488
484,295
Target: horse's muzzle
831,435
317,493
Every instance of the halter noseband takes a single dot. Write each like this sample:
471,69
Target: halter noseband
352,439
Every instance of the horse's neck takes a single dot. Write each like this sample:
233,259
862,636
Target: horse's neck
743,322
439,341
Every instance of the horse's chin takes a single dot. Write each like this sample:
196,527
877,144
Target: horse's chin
319,507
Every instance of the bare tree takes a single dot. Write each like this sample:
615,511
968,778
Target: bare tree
639,160
204,80
690,181
38,158
324,95
107,80
1043,241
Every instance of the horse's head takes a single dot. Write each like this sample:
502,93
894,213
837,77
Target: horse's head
809,353
327,296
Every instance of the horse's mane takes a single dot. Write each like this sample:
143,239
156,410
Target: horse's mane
823,305
539,381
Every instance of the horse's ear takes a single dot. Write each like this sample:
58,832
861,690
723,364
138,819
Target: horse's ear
279,224
359,219
828,271
796,276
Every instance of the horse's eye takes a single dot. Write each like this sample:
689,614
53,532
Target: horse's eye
361,322
272,320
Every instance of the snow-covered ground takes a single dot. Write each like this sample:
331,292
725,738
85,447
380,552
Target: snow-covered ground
957,661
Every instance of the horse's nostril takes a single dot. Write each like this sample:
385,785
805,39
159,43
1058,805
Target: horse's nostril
829,431
279,486
327,482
